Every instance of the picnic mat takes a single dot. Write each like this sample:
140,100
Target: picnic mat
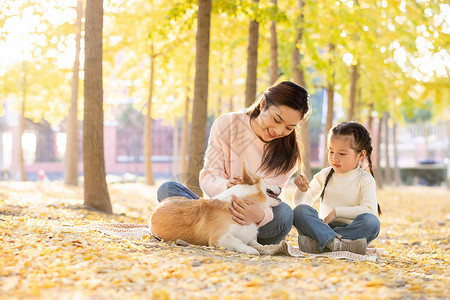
140,231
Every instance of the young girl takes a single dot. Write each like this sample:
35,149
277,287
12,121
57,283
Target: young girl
347,219
264,138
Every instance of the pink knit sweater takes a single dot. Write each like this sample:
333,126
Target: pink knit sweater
231,143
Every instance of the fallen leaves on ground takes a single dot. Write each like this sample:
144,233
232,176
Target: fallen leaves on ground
41,257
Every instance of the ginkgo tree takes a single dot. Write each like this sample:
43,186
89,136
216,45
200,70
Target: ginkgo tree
71,153
148,44
36,77
96,193
348,38
375,55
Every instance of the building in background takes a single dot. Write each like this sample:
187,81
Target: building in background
419,146
44,146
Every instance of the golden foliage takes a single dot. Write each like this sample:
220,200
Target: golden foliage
41,257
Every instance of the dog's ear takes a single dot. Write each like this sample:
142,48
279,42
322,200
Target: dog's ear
246,177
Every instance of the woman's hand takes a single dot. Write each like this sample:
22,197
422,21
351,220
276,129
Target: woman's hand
233,181
245,211
331,217
302,183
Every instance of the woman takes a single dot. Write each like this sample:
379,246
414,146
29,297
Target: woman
264,138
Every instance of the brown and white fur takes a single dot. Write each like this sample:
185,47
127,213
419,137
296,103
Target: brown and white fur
209,221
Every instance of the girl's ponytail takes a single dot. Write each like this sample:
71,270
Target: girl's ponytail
371,172
326,182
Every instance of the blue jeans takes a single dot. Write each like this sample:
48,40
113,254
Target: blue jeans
173,188
307,222
271,233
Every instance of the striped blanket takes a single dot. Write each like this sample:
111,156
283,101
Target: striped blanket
140,231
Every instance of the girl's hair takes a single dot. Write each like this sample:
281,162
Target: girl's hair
282,154
360,140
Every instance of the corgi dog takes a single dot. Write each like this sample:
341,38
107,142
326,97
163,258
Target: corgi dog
209,221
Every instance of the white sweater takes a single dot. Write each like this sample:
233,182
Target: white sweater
351,194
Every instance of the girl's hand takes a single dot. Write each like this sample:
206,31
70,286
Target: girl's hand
331,217
245,211
302,183
233,181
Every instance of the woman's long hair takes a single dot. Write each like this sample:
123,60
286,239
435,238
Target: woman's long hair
282,154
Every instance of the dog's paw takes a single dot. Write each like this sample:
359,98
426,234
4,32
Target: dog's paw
249,250
267,249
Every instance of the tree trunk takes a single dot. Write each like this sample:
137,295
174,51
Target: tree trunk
199,111
95,187
329,120
330,108
377,166
219,108
359,105
20,158
397,177
387,169
352,97
71,154
370,120
304,127
297,67
231,77
448,152
2,161
306,149
176,147
185,129
252,60
184,139
427,140
21,127
273,50
299,77
149,180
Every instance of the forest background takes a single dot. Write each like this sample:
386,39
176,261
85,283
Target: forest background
385,63
185,61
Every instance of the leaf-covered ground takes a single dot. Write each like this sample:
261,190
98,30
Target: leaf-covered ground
41,258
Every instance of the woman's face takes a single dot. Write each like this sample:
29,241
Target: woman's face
275,122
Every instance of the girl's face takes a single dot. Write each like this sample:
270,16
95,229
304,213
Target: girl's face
275,122
341,156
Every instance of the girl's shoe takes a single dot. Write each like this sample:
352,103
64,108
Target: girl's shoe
358,246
